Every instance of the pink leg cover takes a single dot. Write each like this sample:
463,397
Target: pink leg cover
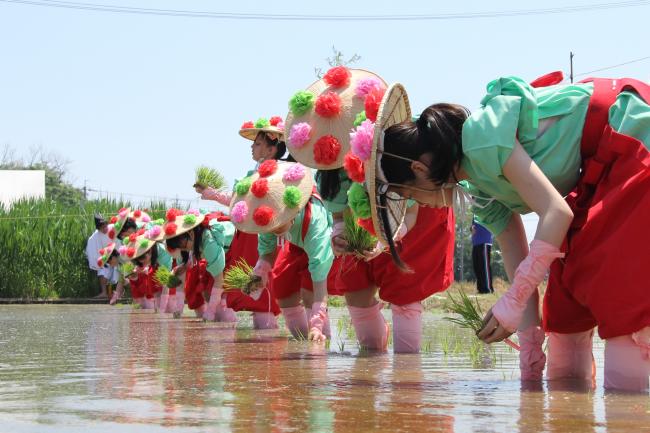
225,314
326,325
626,366
215,299
149,303
264,321
569,355
200,312
407,327
296,321
370,326
531,355
171,304
180,302
164,301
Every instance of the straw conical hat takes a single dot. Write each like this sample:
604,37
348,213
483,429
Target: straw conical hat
274,125
270,197
321,117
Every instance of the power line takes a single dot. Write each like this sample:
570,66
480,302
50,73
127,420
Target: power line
299,17
613,66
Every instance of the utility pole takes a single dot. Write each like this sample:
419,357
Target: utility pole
571,65
85,190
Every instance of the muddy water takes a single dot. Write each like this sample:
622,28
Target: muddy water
101,369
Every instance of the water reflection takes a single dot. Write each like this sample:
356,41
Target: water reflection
85,369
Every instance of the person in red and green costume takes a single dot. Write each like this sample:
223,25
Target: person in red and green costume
575,154
279,203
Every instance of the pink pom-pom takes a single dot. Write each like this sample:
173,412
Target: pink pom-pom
361,140
299,135
146,218
280,125
367,85
154,232
239,212
194,212
294,173
122,250
123,213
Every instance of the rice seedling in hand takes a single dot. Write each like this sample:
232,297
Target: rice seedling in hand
127,269
359,239
165,277
209,177
470,314
241,277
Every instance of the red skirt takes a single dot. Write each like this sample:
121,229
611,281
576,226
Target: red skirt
603,279
137,288
428,249
197,281
244,246
291,273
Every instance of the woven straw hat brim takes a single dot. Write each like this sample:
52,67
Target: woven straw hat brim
181,226
142,249
394,109
273,199
108,250
251,133
339,126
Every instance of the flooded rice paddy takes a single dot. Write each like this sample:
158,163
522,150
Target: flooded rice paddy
102,369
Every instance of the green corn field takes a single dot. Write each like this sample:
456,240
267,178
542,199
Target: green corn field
42,256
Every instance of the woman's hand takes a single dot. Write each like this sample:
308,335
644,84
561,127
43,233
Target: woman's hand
199,189
180,269
492,331
339,246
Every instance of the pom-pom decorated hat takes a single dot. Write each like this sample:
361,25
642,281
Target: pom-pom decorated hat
142,241
117,221
178,222
394,109
273,126
105,254
270,197
321,117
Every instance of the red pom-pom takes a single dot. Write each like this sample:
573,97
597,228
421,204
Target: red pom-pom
132,237
100,263
275,120
247,125
130,251
113,219
328,105
171,215
260,187
338,76
373,100
366,224
268,167
101,252
263,215
326,150
354,167
137,213
170,229
111,234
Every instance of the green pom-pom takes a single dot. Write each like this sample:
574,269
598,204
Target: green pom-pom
360,118
144,243
292,196
359,201
118,226
262,122
243,186
159,222
189,219
301,103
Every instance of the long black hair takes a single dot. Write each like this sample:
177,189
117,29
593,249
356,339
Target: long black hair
329,183
280,146
128,224
438,131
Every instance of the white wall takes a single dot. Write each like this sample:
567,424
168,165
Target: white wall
17,184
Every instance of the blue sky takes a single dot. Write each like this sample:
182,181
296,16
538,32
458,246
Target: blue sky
137,102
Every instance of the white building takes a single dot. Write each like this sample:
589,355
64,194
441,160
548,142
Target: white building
17,184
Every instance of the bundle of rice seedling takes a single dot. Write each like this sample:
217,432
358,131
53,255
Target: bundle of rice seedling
359,239
471,314
165,277
209,177
127,269
241,277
